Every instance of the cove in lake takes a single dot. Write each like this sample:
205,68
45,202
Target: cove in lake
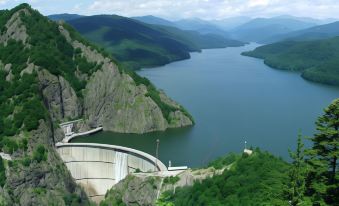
232,98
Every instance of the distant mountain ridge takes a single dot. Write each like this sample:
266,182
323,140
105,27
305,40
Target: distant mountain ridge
65,16
137,44
313,33
231,23
260,29
242,28
154,20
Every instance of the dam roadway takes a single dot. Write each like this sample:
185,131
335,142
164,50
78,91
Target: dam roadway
97,167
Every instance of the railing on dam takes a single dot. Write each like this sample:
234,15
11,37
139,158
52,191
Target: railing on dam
97,167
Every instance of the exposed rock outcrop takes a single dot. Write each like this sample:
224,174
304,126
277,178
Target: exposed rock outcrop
115,102
60,98
15,29
112,99
44,182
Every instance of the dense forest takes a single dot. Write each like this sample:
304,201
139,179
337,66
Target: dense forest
318,60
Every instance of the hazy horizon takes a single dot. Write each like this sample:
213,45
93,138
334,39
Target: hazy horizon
188,9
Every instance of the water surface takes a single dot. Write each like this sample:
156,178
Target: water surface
232,98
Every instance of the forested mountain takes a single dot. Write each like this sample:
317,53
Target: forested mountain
313,33
49,74
132,42
261,29
318,60
137,44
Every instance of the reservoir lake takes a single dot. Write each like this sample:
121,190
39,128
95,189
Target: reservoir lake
233,99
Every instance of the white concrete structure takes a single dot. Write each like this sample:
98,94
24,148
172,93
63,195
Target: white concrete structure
67,127
97,167
73,135
248,151
177,168
5,156
70,133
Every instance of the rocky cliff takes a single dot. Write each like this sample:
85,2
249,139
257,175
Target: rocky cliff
114,100
49,74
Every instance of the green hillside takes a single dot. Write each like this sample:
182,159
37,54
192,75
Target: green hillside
258,179
318,60
137,44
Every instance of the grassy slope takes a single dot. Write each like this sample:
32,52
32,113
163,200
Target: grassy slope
318,60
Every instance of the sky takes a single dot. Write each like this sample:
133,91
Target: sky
179,9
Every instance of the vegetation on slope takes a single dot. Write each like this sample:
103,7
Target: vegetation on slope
318,60
131,42
21,105
22,108
257,179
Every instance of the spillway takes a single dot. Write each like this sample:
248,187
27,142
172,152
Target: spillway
97,167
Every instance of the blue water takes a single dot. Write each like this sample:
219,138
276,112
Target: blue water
232,98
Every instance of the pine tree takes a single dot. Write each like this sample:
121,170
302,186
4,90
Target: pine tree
298,173
323,181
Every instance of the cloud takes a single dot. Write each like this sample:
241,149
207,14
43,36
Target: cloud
212,9
254,3
176,9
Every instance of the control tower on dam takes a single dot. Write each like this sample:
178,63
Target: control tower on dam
97,167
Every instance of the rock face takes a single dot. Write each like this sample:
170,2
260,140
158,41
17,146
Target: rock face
60,98
113,100
40,183
15,29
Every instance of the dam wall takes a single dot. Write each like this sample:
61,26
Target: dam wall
97,167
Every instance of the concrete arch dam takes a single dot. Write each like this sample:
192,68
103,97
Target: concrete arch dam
97,167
